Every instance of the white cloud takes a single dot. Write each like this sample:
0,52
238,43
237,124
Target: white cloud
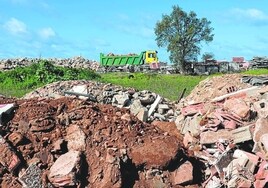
47,33
253,14
15,26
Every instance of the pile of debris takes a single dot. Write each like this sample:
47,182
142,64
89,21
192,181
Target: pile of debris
259,62
75,62
228,133
216,86
90,134
78,143
146,105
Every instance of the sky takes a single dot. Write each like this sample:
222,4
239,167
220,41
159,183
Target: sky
65,29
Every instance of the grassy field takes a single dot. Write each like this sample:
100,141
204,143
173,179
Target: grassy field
18,82
168,86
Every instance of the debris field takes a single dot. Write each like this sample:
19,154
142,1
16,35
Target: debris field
87,134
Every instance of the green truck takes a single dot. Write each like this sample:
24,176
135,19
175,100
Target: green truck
147,60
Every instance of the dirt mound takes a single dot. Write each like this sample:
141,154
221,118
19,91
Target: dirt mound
72,142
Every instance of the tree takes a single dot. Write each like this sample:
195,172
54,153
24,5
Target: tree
206,56
182,34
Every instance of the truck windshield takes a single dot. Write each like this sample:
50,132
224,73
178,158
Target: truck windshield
151,55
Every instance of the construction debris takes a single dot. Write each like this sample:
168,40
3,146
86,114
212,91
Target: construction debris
129,138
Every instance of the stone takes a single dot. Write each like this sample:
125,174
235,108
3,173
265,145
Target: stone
135,107
190,124
80,89
65,170
76,138
143,115
120,100
183,175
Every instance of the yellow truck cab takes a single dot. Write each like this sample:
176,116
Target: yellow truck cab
151,56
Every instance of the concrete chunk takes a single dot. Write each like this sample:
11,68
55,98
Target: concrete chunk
5,109
260,129
241,134
262,108
143,115
120,100
135,107
154,105
31,178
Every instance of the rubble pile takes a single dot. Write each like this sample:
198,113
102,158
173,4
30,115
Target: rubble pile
259,62
70,142
216,86
75,62
91,134
146,105
228,132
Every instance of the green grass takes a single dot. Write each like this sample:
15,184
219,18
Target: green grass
256,72
168,86
18,82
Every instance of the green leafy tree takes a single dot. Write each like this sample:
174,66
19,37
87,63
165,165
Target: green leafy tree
182,34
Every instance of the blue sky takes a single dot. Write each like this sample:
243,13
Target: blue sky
62,28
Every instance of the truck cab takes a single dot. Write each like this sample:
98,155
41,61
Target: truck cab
151,56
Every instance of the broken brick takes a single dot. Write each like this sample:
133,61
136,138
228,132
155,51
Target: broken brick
8,158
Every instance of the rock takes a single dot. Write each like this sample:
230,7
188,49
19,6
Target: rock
136,107
143,115
120,100
65,170
155,153
76,138
183,175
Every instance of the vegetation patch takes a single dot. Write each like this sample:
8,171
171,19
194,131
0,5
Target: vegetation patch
21,80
